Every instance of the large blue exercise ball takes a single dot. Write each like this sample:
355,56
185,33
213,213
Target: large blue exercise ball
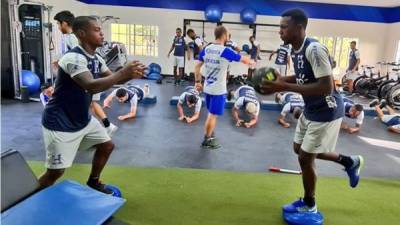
248,16
154,68
246,48
213,13
30,80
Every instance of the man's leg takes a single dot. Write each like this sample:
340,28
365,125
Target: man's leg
181,72
309,175
379,112
49,177
175,74
103,152
210,124
390,110
101,115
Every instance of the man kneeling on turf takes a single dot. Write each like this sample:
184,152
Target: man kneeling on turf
190,98
392,120
292,103
353,111
245,98
130,93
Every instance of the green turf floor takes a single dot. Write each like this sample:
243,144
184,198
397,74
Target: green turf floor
205,197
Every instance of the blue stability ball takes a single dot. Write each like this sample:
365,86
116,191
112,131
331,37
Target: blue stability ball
213,13
30,80
153,76
154,68
248,16
246,48
115,190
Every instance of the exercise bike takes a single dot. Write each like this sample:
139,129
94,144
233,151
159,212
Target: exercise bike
390,89
368,86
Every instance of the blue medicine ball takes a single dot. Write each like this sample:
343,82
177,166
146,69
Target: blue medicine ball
154,68
246,48
213,13
115,190
30,80
153,76
248,16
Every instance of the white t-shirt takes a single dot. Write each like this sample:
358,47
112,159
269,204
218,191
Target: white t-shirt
239,103
198,41
182,101
318,56
74,63
71,41
133,101
216,59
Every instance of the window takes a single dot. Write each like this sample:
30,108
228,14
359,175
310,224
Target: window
339,49
141,40
398,52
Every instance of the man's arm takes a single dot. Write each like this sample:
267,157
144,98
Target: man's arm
394,129
235,115
195,117
358,60
131,114
272,54
107,101
131,71
171,49
282,116
252,122
180,111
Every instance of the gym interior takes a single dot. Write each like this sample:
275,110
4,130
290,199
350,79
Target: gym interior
200,112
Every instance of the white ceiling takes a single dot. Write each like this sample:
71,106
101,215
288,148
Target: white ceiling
380,3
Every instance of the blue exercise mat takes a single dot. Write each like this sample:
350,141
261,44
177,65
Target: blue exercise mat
66,203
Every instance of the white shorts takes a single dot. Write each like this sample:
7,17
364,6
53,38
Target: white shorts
179,61
281,69
317,137
61,147
96,97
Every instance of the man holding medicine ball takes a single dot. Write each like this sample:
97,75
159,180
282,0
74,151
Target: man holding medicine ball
318,127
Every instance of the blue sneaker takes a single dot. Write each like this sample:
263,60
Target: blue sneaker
299,206
354,171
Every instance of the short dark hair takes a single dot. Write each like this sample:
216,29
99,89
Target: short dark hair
359,107
353,42
297,111
189,31
65,16
179,29
298,16
82,22
192,99
121,92
220,31
45,86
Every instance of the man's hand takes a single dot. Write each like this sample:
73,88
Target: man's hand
122,117
270,87
198,86
239,123
247,125
133,70
106,105
189,120
284,123
352,130
181,118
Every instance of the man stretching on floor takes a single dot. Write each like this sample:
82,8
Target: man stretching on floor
67,124
245,98
392,120
291,103
129,93
353,111
190,98
318,127
216,58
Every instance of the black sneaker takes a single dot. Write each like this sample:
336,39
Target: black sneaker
210,143
100,187
374,103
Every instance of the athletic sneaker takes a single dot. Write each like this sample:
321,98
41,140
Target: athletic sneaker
354,171
299,206
100,187
383,104
111,129
210,143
